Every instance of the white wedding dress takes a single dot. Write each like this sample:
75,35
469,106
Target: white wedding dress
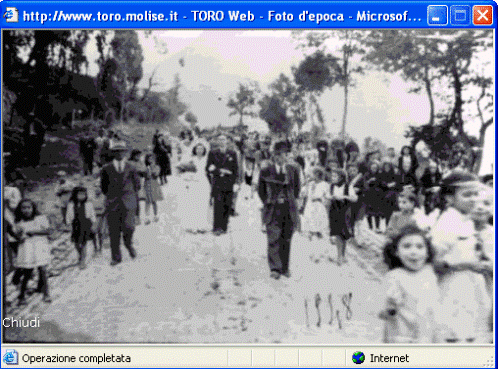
197,195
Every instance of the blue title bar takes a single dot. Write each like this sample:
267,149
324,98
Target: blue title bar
258,15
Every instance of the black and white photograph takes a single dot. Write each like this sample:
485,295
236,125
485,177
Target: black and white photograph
248,186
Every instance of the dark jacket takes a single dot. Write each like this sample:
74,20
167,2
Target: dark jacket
217,161
267,191
120,189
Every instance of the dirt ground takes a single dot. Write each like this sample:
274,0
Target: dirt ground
186,288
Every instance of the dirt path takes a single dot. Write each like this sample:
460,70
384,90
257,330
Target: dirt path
206,289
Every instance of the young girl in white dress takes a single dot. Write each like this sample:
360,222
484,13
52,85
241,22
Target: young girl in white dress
196,216
34,248
464,297
315,217
412,306
481,214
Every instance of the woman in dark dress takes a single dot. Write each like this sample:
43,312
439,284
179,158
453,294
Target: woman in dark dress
373,196
322,148
407,179
429,186
389,186
341,195
408,159
356,181
162,150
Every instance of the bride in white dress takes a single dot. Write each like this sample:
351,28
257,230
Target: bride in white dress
198,192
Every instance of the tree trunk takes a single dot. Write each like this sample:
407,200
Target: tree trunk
345,113
482,136
309,109
428,88
346,87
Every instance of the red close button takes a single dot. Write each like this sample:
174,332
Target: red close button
483,15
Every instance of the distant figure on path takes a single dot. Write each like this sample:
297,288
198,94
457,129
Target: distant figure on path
162,150
87,151
222,171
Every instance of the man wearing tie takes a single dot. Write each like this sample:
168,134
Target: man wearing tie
279,187
222,171
120,184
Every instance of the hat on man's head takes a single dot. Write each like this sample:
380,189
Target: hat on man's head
118,146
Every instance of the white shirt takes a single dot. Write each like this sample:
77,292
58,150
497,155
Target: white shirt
119,165
453,238
340,191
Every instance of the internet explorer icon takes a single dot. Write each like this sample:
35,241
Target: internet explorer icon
11,15
11,357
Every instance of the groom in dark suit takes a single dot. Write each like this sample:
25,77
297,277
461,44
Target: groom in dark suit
279,187
222,171
120,184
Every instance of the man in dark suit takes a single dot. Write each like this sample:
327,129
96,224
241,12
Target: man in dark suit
222,171
87,151
279,186
120,184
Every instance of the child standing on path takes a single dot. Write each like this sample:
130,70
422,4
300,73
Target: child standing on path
340,195
34,249
407,203
464,297
81,216
315,213
152,189
412,294
481,214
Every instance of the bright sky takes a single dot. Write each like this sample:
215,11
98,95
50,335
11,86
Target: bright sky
216,61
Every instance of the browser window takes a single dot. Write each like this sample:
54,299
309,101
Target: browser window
249,184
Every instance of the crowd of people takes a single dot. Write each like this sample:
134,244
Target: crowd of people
435,222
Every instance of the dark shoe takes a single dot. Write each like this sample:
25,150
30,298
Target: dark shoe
133,253
287,274
275,275
47,299
115,262
217,232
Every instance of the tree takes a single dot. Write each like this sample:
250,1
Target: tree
428,57
292,98
191,119
39,66
341,61
274,114
173,102
485,113
243,100
313,75
413,53
127,53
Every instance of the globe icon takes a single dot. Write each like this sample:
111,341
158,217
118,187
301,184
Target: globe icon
358,357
